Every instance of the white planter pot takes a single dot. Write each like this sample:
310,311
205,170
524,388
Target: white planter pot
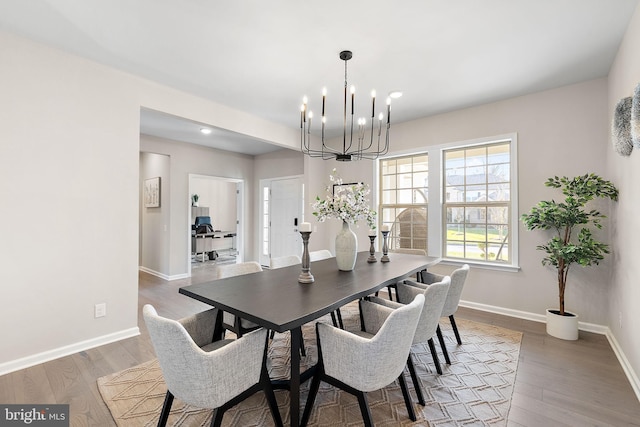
346,248
563,327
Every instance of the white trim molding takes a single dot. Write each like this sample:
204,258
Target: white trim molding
583,326
624,362
46,356
162,275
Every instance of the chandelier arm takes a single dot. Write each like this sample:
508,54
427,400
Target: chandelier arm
351,150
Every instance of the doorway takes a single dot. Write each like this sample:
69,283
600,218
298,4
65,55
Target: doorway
220,199
281,211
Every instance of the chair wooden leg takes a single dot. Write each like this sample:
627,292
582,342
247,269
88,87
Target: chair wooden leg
270,395
216,420
333,319
166,408
407,399
455,329
436,362
364,409
443,346
415,380
339,314
311,398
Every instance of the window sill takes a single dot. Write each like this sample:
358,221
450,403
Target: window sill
481,265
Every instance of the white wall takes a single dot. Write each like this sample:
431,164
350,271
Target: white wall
625,171
154,222
220,197
70,144
69,162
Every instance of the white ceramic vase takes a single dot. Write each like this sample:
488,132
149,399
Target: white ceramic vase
563,327
346,248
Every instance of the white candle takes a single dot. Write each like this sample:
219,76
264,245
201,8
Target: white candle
305,227
372,232
385,227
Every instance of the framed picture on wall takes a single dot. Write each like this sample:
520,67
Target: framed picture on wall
338,187
152,192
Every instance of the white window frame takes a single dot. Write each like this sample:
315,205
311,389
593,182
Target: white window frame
436,197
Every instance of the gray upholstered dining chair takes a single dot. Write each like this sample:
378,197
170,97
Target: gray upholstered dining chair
319,255
229,321
434,298
458,279
366,361
409,251
215,375
284,261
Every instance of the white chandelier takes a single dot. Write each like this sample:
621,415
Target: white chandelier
354,146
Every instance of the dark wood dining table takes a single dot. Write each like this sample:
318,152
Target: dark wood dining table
274,299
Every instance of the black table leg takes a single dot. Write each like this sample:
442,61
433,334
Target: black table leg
218,330
294,390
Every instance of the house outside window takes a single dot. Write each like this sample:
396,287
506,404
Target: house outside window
471,185
476,211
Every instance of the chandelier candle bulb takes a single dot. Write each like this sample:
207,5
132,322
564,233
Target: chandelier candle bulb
353,96
388,110
373,104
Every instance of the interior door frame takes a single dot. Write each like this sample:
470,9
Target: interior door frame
266,182
239,216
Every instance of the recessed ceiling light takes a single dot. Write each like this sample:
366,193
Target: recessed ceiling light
205,131
395,94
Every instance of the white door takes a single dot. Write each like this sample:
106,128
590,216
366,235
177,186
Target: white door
284,215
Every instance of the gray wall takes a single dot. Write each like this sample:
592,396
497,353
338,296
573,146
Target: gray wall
188,159
623,286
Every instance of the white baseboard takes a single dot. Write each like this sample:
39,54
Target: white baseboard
624,362
162,275
583,326
36,359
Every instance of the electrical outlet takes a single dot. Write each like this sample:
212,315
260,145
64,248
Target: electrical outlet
101,310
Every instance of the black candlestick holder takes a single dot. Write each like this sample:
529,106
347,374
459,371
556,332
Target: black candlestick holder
385,248
305,275
372,250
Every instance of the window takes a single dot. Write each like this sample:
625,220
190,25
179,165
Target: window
404,197
475,183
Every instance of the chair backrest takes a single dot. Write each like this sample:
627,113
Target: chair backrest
230,270
200,378
434,298
378,362
319,255
458,278
285,261
410,251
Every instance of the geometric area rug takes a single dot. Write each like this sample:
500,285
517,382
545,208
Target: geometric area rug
475,390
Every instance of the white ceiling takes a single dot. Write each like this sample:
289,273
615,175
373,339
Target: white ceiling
263,56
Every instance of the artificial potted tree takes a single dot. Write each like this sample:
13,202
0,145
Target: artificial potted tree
572,242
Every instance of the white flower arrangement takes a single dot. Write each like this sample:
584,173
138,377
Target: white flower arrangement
346,202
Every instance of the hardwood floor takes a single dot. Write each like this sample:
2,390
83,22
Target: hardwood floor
559,383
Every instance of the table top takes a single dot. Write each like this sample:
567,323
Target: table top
276,300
